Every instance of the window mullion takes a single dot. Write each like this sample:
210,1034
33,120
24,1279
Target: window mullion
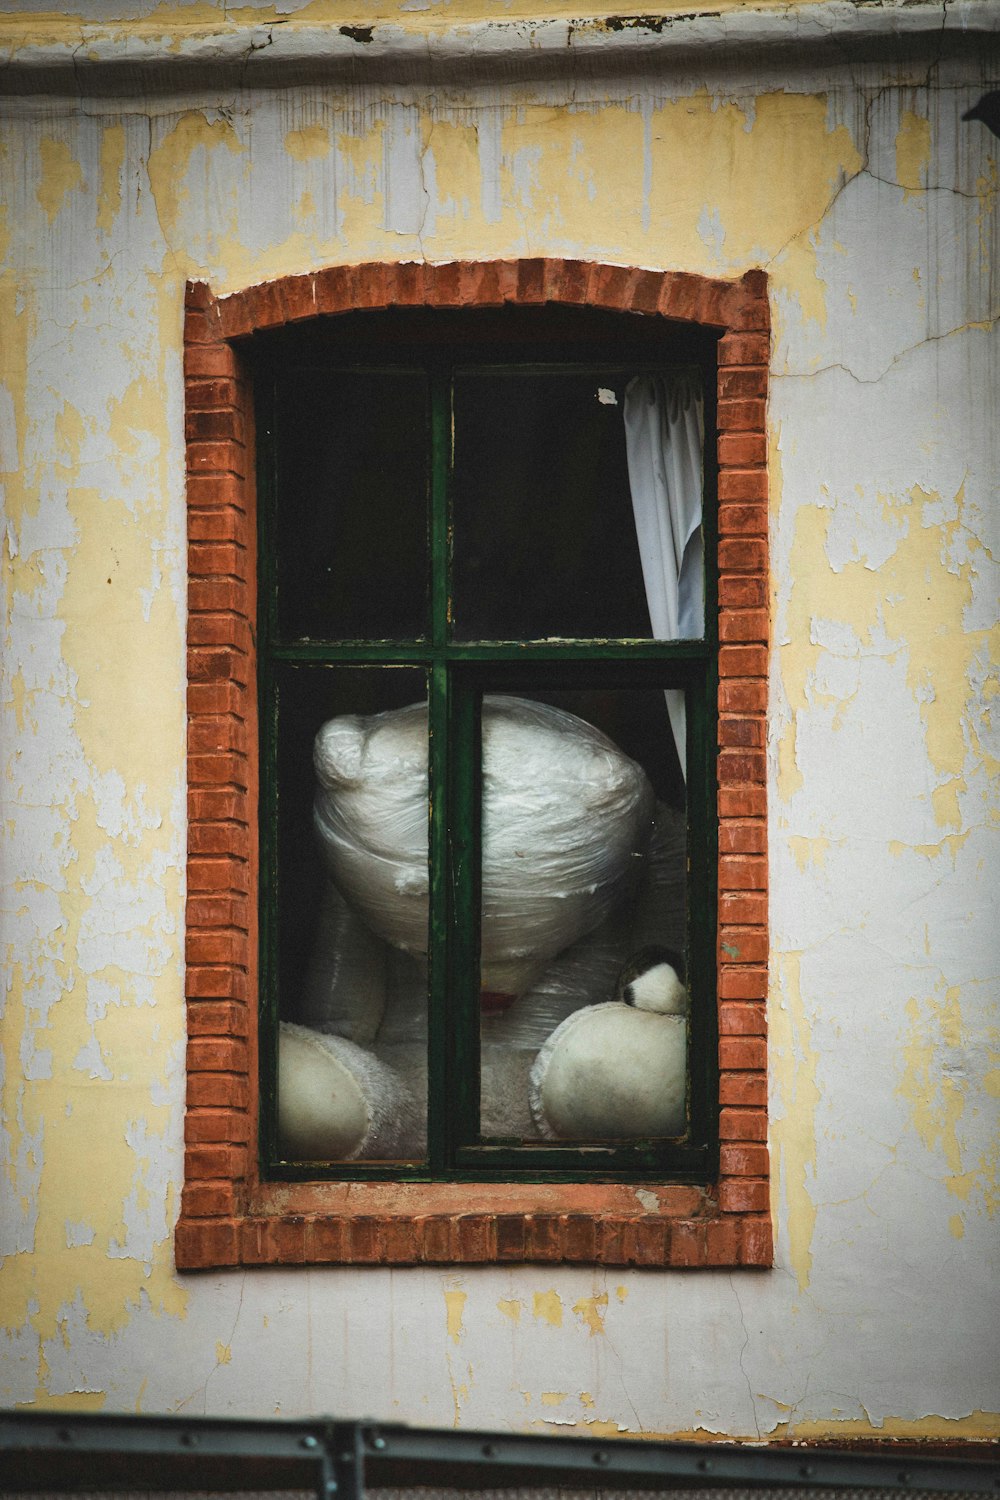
441,1037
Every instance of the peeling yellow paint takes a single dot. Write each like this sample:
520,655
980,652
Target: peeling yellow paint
454,148
309,143
913,153
945,801
978,1426
798,278
952,843
223,1353
621,1292
169,163
548,1308
554,1398
122,845
454,1301
203,19
957,1226
65,1401
598,1427
591,1311
892,600
975,1427
935,1083
109,198
61,174
511,1308
808,851
987,191
793,1126
936,1100
305,209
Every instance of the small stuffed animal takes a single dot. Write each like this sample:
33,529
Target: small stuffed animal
574,1045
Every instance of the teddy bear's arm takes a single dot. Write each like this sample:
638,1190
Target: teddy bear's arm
611,1072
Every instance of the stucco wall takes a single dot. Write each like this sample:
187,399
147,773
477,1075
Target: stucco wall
874,210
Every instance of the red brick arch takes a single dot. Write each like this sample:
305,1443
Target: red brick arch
228,1215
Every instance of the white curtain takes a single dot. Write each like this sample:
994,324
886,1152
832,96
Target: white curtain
664,437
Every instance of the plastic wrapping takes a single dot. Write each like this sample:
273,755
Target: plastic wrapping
371,816
338,1101
345,986
580,871
587,972
565,813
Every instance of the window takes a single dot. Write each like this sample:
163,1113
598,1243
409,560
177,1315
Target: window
478,587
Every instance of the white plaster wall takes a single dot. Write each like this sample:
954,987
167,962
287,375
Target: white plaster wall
875,211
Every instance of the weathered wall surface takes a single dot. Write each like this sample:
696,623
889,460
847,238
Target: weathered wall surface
875,213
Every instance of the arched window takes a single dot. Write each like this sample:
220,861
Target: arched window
501,690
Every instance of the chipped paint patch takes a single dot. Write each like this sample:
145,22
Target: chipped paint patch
591,1311
61,174
976,1427
109,198
66,1401
938,1081
194,138
547,1308
877,600
310,143
935,1091
793,1122
913,153
454,1301
807,851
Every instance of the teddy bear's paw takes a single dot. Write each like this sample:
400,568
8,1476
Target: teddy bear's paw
610,1072
336,1102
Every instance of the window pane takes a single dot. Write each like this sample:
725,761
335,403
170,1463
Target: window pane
351,900
583,905
352,505
577,505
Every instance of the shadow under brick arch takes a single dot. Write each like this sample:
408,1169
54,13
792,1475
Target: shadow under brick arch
228,1215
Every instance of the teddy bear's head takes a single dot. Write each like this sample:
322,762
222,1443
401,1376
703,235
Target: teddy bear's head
565,815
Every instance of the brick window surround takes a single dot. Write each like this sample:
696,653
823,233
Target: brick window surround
229,1216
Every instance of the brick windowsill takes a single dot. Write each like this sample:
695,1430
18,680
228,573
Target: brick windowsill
228,1215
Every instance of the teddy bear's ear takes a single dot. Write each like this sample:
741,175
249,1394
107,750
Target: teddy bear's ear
339,751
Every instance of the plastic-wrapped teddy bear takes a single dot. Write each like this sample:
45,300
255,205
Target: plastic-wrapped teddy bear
583,1027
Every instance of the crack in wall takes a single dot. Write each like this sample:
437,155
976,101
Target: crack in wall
201,1392
986,326
743,1350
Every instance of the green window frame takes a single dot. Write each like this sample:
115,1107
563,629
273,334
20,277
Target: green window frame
440,343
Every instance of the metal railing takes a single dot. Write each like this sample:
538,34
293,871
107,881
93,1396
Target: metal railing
339,1460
